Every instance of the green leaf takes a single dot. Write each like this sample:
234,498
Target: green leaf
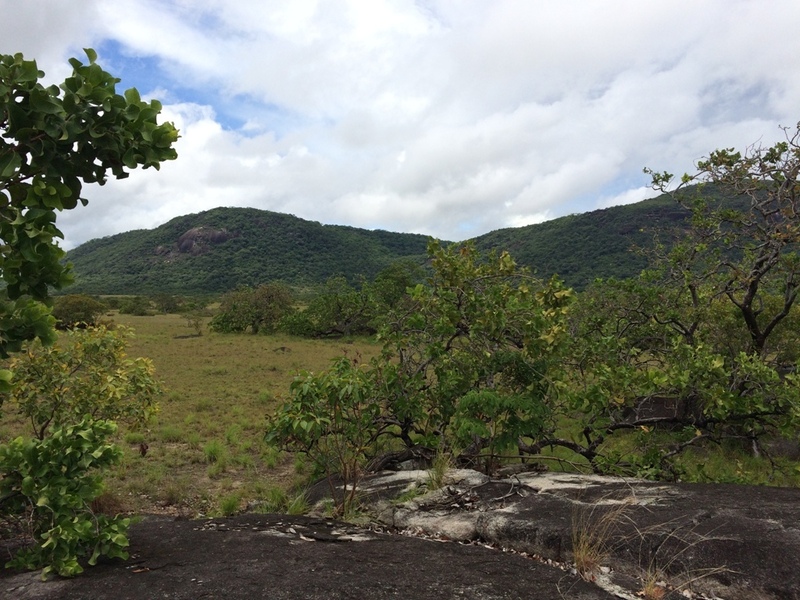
132,96
10,162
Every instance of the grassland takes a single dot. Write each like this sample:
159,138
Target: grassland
205,452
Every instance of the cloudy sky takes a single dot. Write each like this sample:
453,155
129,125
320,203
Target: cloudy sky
444,117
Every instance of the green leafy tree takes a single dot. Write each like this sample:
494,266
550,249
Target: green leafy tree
53,140
49,484
138,306
747,253
77,310
340,309
337,310
392,284
469,363
167,303
257,310
332,417
702,347
472,364
68,392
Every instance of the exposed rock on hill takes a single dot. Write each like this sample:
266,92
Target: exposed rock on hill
198,239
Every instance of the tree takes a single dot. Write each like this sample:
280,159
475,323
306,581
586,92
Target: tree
746,253
87,373
138,306
702,347
167,303
75,310
53,140
332,417
259,309
340,309
51,483
391,285
70,393
337,310
468,366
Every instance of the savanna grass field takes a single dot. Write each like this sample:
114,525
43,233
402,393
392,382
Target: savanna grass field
205,453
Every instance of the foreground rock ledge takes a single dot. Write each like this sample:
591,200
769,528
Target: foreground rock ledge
703,540
277,557
731,542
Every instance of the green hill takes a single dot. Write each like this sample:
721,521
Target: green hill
582,247
217,250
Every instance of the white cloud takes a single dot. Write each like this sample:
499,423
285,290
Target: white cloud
445,118
627,197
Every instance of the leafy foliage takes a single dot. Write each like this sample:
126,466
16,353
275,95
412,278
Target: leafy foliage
337,309
86,373
167,303
75,310
53,140
332,418
705,341
340,309
136,305
69,392
259,309
468,362
700,349
48,485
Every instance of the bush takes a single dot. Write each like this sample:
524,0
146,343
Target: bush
259,309
50,484
137,306
88,373
77,310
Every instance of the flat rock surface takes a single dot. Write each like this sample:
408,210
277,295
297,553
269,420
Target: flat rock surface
278,557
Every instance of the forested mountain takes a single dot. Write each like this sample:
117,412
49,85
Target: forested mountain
222,248
582,247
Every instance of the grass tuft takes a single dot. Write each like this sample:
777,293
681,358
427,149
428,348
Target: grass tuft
594,533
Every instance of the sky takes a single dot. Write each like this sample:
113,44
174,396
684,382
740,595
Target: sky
449,118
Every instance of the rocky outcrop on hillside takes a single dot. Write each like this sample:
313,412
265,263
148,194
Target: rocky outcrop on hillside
195,241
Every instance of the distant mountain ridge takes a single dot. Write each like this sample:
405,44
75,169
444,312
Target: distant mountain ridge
582,247
219,249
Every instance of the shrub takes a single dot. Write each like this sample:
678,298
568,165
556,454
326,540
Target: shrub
259,309
88,373
137,306
50,483
76,310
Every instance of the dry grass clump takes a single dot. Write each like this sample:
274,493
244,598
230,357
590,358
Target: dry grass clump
595,531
